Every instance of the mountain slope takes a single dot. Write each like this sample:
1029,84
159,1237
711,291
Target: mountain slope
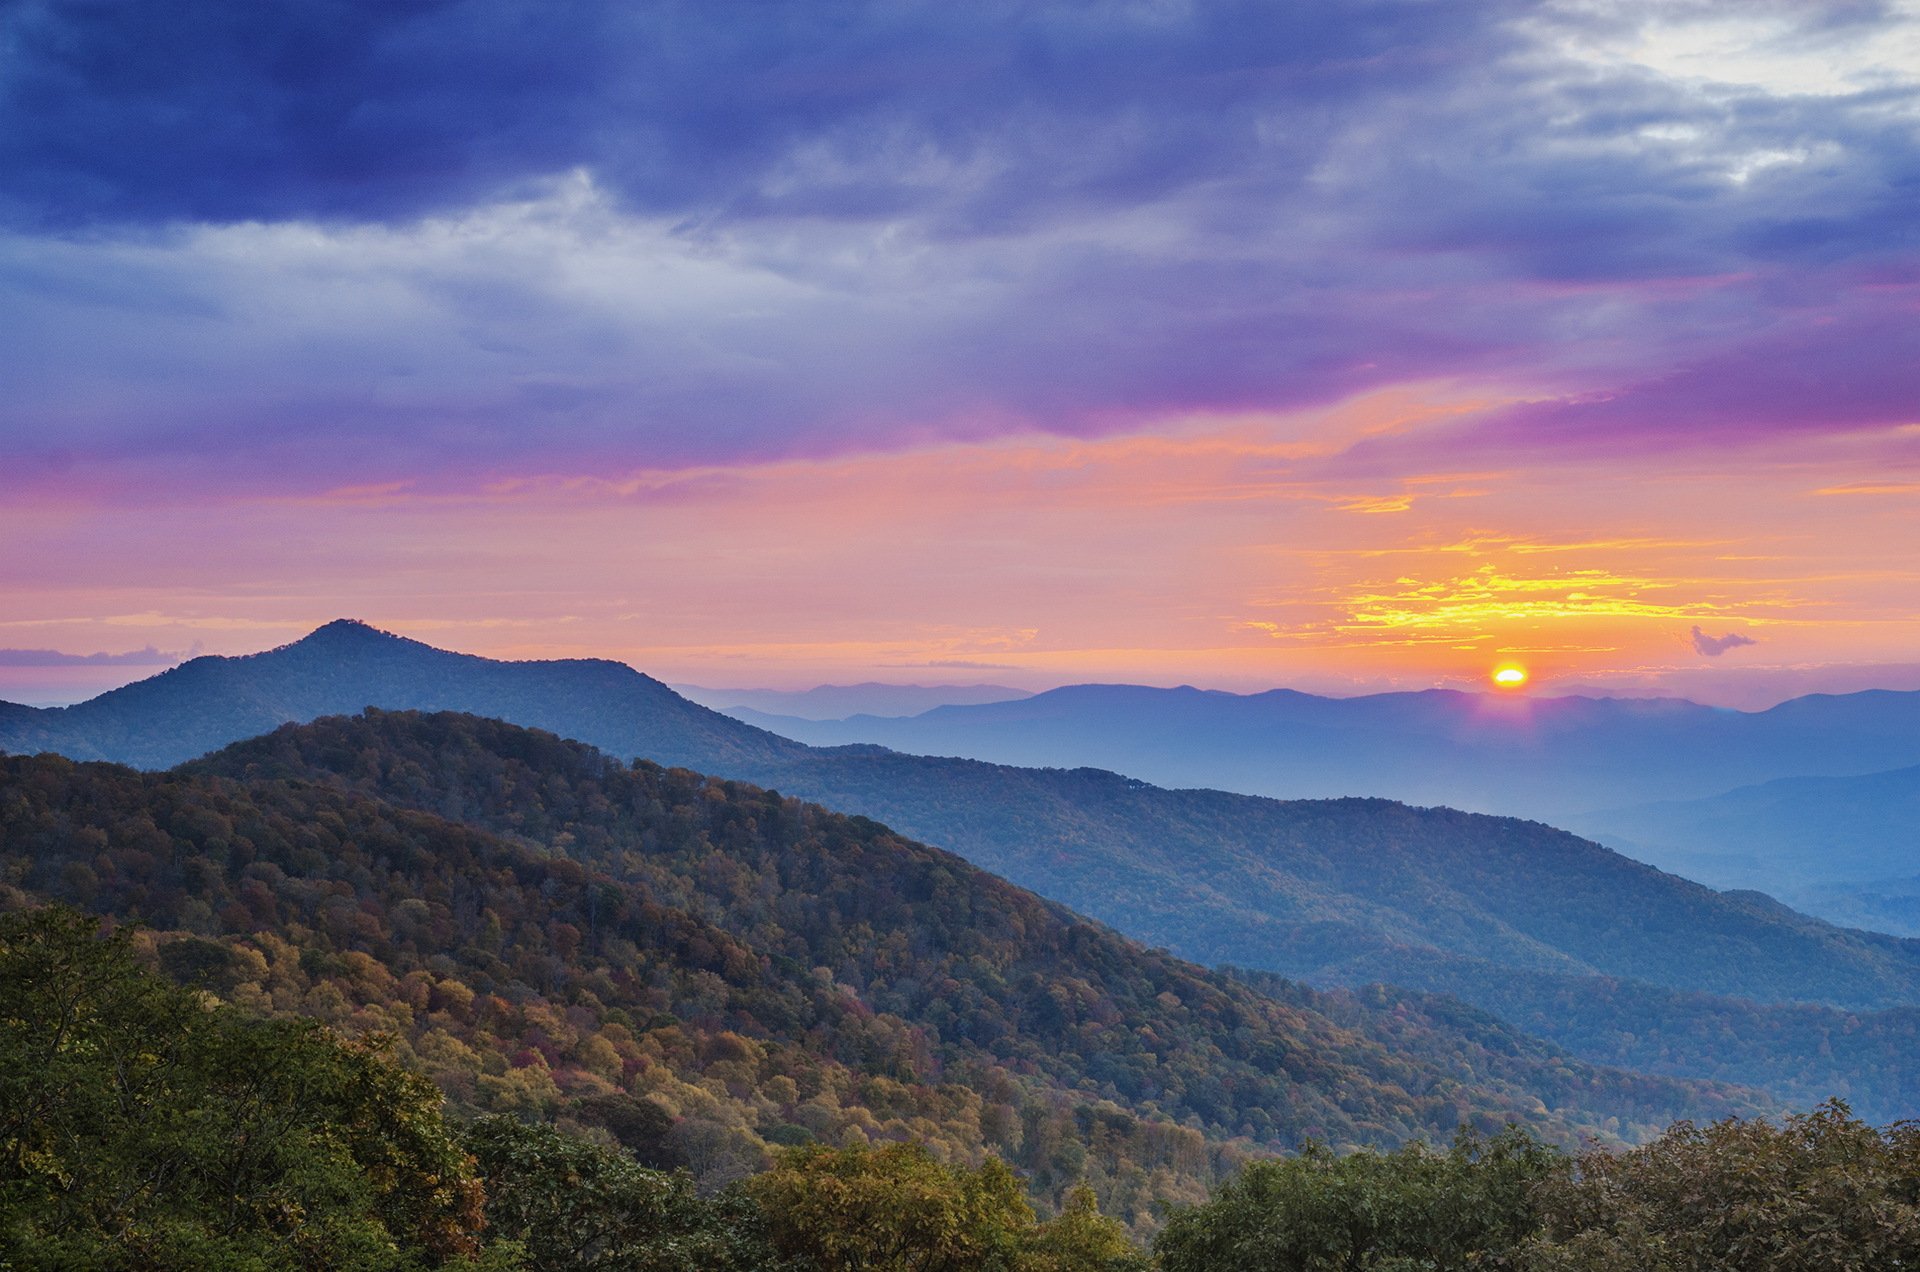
1336,891
1345,890
741,956
208,702
1523,756
1844,847
1354,890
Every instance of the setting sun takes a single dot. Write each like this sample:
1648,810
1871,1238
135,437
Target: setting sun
1509,676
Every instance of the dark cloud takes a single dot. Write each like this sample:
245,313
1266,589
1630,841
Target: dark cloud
208,110
1714,646
341,242
148,657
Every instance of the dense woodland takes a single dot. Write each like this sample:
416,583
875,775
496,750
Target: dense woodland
144,1125
1616,963
709,972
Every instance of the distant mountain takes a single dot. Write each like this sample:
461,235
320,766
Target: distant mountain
1338,892
1846,848
837,702
209,702
563,927
1544,758
1348,891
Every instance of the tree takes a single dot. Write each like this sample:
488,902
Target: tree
142,1127
1081,1239
892,1209
580,1207
1415,1210
1819,1192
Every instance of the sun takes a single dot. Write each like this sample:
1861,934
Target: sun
1509,675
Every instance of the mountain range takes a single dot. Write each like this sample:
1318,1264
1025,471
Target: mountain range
1845,848
719,968
1538,757
1617,961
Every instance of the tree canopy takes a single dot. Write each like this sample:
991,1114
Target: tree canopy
141,1126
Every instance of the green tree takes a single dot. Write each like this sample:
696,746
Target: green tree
893,1209
1414,1210
141,1127
576,1206
1081,1239
1819,1192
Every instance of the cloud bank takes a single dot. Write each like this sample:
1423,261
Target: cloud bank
299,247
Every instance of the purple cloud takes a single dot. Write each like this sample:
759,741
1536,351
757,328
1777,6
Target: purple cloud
361,109
1850,361
1714,646
294,247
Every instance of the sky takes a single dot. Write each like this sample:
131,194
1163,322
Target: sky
1348,346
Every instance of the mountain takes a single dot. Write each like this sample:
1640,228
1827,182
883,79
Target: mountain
1591,949
1846,848
1544,758
206,703
837,702
1356,890
565,930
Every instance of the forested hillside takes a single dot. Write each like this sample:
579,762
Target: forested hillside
1354,890
1618,962
1800,1054
149,1126
1840,847
755,969
1595,952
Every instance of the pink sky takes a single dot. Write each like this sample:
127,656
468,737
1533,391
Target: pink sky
1240,552
1343,346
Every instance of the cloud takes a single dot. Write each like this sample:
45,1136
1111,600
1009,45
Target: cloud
297,247
1821,372
148,657
362,109
1714,646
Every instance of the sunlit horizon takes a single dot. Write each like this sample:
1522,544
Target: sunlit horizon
917,377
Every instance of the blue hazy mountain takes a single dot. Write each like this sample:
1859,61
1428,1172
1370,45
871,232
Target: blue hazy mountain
1612,957
1532,757
1845,848
837,702
207,703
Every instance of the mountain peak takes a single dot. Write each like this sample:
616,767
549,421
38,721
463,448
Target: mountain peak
346,633
346,627
342,638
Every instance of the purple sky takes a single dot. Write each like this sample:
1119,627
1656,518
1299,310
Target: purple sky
277,252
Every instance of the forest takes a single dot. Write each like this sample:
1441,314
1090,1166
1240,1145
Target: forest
401,989
1611,961
146,1124
728,972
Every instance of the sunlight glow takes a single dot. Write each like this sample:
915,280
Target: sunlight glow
1510,676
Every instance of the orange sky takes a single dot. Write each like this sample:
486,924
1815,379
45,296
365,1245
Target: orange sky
1299,550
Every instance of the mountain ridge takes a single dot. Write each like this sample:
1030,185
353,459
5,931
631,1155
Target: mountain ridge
636,712
1335,892
1537,757
707,930
1842,847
